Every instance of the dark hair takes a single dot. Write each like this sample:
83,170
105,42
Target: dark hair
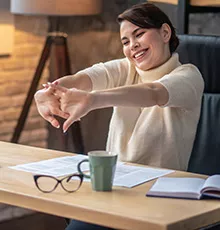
147,15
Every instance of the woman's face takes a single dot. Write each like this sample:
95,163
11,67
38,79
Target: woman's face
146,48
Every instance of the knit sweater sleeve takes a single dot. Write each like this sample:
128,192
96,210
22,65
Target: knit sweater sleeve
185,86
109,74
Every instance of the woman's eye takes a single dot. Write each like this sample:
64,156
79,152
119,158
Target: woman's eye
125,43
139,34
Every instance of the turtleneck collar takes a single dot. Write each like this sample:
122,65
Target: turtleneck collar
157,73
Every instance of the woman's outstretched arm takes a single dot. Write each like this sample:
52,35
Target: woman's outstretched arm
77,103
79,81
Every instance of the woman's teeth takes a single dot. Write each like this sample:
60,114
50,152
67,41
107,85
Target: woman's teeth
139,54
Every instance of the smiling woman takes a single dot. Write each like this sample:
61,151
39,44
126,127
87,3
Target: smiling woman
151,27
156,99
138,43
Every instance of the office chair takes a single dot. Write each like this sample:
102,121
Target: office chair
204,52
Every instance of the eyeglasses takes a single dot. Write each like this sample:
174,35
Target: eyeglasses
48,184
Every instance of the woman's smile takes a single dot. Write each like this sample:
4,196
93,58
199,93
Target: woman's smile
140,55
145,48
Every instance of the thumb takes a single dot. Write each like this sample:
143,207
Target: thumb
68,123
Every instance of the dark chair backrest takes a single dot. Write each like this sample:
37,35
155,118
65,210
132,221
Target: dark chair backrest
204,52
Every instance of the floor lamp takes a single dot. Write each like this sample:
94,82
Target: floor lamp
58,40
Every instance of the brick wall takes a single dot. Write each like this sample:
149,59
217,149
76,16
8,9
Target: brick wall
16,72
91,39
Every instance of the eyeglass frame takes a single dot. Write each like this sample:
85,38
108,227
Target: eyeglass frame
59,181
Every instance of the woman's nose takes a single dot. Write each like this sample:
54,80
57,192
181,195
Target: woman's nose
134,45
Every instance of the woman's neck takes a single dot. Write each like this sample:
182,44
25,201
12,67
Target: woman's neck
167,55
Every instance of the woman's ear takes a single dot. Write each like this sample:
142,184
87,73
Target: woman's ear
165,32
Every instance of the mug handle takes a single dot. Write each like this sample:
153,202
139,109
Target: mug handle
79,169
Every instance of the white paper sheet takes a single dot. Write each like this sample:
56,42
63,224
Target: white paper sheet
130,176
60,166
125,175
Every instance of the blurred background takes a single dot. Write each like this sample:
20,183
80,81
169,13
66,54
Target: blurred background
91,39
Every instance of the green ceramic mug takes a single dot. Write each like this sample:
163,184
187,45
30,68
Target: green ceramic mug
102,166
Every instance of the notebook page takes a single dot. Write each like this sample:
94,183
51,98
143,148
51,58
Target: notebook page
173,186
212,182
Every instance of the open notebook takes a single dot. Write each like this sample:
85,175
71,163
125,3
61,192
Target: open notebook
184,187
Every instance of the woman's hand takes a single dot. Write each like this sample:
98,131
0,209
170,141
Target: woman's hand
77,103
48,105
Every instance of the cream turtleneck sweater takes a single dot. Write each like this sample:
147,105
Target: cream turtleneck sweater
156,136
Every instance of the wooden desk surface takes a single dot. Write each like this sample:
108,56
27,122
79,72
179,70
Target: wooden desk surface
122,208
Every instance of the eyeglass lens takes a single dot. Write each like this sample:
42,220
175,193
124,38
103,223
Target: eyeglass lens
46,184
71,184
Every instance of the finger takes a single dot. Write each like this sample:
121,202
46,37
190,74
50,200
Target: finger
57,97
59,88
59,113
56,82
59,93
45,86
53,121
52,83
68,123
50,91
62,114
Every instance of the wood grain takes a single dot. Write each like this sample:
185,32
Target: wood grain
122,208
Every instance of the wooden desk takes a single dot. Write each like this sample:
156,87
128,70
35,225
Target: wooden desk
122,208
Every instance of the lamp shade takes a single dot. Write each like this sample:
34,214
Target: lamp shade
56,7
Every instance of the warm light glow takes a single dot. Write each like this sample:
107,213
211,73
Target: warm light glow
6,43
6,29
56,7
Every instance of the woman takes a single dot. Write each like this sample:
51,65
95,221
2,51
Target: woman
156,99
